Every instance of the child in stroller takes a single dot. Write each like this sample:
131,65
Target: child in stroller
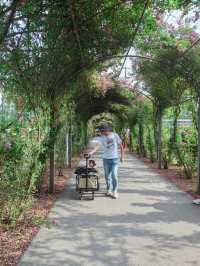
87,179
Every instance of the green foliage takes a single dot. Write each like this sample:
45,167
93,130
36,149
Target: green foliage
20,168
52,53
160,77
150,145
95,101
189,68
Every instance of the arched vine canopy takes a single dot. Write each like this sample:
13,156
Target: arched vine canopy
62,62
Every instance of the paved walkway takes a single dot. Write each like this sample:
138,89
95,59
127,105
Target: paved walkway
151,224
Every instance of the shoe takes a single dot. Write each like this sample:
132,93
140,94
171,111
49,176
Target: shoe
114,195
109,194
196,201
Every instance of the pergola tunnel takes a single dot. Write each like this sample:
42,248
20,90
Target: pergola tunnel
68,66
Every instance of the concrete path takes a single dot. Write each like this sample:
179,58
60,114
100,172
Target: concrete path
151,224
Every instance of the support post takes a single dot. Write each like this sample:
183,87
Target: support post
70,141
198,145
52,149
159,138
67,147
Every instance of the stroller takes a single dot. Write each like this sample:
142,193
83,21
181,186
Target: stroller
87,179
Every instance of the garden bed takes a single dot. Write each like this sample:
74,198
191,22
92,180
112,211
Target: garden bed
13,242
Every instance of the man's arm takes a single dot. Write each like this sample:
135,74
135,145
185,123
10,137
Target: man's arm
121,153
98,145
119,142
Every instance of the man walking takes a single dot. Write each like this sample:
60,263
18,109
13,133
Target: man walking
110,142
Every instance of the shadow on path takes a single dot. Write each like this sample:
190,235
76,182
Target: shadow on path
152,223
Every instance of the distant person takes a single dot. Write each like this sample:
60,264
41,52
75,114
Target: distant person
110,142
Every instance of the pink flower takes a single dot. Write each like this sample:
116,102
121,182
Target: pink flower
7,146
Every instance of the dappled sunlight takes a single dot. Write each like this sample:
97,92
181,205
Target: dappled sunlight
150,222
77,75
179,229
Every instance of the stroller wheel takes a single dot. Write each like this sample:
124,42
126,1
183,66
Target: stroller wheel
92,195
80,196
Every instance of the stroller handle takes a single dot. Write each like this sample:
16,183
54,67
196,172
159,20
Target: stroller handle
87,156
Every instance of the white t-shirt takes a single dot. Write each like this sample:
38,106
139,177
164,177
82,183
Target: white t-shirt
110,145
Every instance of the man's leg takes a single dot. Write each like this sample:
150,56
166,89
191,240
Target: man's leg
108,174
115,176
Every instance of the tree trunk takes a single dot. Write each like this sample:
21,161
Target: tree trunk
52,149
67,147
173,139
194,115
159,137
198,160
141,140
130,141
155,129
175,127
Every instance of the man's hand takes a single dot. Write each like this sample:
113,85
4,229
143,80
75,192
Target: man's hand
93,151
122,153
87,155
